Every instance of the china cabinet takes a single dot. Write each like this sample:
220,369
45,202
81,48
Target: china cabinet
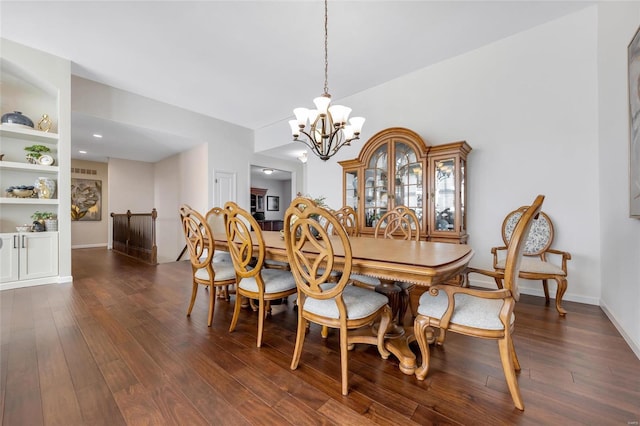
257,200
397,168
28,256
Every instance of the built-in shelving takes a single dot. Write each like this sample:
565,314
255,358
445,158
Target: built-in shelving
12,165
20,132
25,201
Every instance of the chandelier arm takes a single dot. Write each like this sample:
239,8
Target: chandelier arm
313,146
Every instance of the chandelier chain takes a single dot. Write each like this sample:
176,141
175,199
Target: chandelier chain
326,49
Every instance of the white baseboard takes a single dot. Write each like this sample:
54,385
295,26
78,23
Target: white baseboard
81,246
38,281
535,291
635,346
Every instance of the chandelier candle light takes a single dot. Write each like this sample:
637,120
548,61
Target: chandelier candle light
328,129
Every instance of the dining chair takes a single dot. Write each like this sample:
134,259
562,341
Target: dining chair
398,223
348,218
311,251
476,312
201,247
216,219
536,264
253,280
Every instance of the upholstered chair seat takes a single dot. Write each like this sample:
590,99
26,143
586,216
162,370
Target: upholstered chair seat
359,303
470,311
535,266
275,281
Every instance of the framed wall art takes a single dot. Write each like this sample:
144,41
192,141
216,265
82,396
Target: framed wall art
86,199
273,203
633,51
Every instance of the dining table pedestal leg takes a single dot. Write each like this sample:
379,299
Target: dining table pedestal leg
394,295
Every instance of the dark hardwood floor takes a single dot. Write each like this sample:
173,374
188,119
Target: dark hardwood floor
115,347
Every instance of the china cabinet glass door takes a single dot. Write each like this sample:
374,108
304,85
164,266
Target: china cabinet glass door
444,194
376,186
351,188
408,179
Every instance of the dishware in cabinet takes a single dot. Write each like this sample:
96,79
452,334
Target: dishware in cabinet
28,256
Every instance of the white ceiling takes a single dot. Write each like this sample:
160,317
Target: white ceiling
251,62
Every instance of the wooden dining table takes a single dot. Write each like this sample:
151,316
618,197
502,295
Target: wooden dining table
419,262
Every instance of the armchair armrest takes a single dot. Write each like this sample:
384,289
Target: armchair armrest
495,251
497,276
565,256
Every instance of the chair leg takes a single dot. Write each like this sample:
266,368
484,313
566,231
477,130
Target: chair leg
236,313
261,315
385,320
324,332
297,351
212,305
344,359
420,327
514,356
562,288
504,345
545,287
194,292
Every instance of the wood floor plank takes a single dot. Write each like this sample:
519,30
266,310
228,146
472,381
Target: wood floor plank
59,402
116,347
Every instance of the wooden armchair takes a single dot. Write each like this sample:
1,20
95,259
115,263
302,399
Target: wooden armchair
329,304
480,313
536,264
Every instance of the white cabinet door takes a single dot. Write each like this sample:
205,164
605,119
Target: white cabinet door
38,255
9,251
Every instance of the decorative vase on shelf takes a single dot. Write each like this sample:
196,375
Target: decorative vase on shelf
16,117
45,123
46,187
51,225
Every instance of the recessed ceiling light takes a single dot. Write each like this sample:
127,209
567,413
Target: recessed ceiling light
82,152
97,135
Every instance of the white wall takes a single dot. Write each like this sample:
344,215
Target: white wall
92,233
180,179
620,245
527,105
222,146
131,187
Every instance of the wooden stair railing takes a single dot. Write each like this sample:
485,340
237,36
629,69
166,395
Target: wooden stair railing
134,235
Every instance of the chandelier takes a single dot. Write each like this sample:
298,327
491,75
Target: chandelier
328,130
